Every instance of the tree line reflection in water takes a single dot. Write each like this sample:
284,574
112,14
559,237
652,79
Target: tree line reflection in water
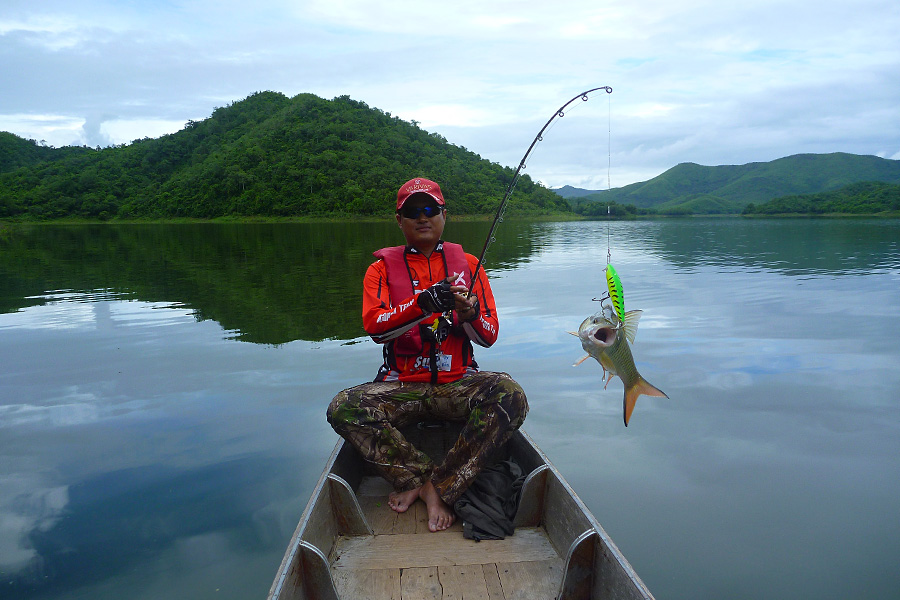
264,283
272,283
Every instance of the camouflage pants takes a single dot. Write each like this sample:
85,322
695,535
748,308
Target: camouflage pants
369,416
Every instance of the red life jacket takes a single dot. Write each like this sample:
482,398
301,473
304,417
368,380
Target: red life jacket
400,284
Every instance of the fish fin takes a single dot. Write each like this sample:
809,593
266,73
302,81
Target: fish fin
581,360
608,379
572,333
641,387
631,324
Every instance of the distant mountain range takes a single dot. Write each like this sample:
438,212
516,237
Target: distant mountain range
567,191
270,155
696,189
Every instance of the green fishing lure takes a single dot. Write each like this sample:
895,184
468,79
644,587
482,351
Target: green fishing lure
616,295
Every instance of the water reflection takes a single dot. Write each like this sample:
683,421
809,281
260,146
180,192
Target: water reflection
276,283
111,522
145,454
266,283
138,447
836,247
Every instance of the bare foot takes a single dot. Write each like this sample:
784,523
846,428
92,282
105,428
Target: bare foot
440,516
401,501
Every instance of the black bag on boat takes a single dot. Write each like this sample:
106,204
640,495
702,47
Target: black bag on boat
489,506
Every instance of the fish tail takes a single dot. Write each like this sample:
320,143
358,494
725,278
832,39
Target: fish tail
641,387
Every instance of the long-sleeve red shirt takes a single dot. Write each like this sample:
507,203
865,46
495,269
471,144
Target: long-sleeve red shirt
385,318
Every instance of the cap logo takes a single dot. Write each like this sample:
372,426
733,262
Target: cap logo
419,185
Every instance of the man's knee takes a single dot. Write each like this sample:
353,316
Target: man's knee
340,412
512,399
517,406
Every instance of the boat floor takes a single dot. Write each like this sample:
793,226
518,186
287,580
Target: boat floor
406,561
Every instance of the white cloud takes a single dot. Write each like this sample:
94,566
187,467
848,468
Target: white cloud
698,81
450,114
50,316
73,409
27,502
54,130
120,131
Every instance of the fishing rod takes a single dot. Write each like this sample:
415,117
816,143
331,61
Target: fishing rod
512,184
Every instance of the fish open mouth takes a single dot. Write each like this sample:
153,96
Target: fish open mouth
605,335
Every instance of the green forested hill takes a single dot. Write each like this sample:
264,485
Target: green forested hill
868,197
567,191
690,188
271,155
16,152
265,155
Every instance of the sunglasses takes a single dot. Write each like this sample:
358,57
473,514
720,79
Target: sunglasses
413,212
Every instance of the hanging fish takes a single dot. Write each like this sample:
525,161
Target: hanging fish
605,338
616,293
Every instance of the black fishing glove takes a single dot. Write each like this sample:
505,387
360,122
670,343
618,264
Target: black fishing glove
436,299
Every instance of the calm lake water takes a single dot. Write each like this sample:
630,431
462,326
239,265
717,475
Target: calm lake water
163,392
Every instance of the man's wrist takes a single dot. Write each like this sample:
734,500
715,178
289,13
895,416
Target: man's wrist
469,314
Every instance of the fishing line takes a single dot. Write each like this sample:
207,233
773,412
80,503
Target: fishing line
608,235
606,295
608,169
608,141
512,184
613,299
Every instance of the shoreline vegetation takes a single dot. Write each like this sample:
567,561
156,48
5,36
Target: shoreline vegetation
8,224
270,158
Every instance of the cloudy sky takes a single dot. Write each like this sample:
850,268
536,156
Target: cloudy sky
706,81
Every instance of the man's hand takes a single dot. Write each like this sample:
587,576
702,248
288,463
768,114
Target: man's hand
466,306
438,298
